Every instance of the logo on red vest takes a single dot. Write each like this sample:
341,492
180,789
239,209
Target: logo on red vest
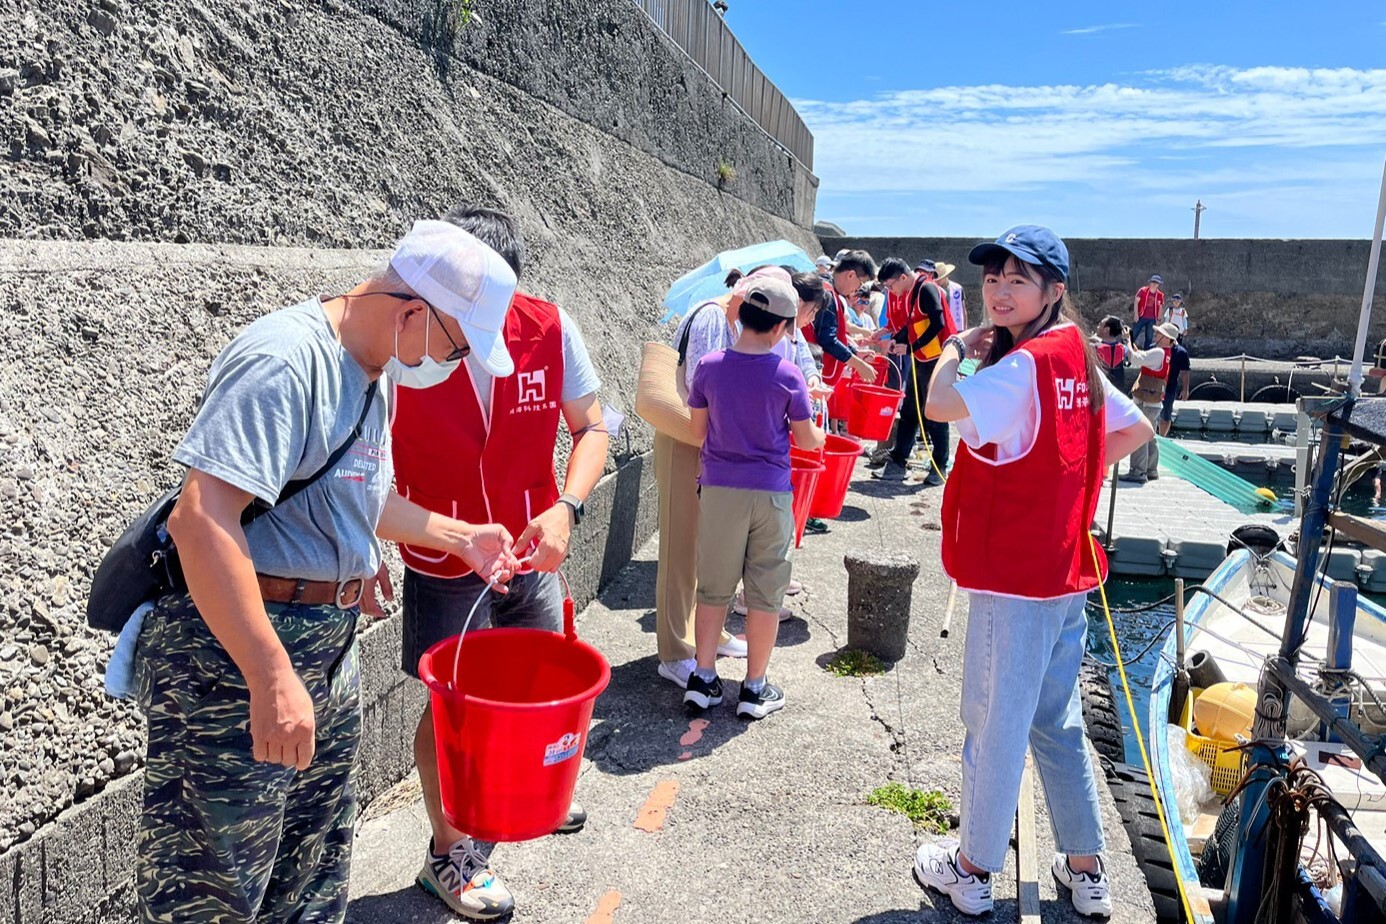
1070,393
532,387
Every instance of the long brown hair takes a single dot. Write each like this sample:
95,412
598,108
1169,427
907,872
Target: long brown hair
1054,312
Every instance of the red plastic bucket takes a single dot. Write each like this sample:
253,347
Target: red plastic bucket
803,479
873,411
839,459
840,401
512,728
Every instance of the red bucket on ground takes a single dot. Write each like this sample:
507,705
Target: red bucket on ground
873,411
803,479
511,726
839,459
840,401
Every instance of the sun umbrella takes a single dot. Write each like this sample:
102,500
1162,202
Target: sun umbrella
707,281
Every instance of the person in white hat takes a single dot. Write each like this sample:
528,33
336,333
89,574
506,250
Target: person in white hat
250,678
483,446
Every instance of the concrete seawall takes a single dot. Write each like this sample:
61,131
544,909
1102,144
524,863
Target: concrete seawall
1272,298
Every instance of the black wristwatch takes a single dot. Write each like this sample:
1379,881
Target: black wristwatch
575,504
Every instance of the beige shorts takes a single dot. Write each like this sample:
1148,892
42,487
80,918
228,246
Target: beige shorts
744,536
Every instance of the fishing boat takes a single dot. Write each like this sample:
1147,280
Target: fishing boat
1232,625
1299,751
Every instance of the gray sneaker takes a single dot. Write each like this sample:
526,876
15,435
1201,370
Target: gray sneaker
893,471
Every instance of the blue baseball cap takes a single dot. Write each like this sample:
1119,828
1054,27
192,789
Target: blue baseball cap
926,266
1033,244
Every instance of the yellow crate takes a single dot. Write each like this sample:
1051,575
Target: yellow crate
1225,759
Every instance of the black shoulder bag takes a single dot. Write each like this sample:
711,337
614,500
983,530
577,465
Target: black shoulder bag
142,565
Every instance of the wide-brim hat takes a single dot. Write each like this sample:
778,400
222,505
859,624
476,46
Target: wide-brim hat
944,270
1167,329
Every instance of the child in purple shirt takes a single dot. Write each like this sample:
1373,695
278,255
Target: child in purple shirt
746,402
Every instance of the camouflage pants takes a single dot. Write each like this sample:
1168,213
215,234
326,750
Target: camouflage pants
224,838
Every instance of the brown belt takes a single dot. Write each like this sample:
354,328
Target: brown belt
311,593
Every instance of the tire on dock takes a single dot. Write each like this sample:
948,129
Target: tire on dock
1213,391
1131,792
1276,394
1100,714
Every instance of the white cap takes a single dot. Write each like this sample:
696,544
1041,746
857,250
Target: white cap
466,280
823,260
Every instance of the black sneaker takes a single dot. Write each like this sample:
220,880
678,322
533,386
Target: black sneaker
815,527
892,471
759,705
933,480
702,694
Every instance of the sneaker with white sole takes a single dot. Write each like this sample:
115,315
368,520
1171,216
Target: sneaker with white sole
576,820
1091,892
794,588
936,867
703,694
733,647
739,607
463,880
677,672
758,705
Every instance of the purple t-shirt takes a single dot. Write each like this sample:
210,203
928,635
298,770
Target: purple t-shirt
750,400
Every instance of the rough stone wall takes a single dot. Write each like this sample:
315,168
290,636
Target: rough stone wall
1272,298
118,339
303,122
243,135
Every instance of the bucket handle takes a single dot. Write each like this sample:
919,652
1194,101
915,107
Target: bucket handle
569,622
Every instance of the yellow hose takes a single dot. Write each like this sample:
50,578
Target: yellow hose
1136,722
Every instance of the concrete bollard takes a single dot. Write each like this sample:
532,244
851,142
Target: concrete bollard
879,588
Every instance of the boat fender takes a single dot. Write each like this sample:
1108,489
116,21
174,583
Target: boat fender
1225,711
1258,539
1204,670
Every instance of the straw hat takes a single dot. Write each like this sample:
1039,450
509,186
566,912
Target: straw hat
1167,329
944,270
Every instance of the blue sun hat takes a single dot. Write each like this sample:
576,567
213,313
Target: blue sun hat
1032,244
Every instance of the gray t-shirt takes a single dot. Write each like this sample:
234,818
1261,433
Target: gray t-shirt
280,399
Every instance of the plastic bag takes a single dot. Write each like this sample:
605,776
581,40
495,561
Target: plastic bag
1192,777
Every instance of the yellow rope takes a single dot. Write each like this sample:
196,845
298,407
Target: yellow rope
1140,737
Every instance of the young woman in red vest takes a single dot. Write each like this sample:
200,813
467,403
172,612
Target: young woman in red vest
1038,428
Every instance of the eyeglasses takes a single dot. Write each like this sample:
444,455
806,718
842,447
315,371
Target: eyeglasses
458,352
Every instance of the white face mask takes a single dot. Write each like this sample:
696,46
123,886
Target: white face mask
426,374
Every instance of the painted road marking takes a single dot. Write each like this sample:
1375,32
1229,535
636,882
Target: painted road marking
651,815
692,736
606,908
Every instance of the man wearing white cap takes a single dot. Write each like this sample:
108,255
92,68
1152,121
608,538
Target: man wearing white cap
482,447
250,679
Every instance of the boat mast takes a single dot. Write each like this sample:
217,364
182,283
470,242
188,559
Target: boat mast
1368,291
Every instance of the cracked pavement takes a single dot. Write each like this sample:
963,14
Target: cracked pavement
769,822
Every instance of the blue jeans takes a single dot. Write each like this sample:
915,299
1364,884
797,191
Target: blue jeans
1020,687
1143,326
436,608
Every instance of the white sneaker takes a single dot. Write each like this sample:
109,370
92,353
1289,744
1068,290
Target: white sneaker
794,588
936,867
739,607
1091,892
732,648
676,672
464,882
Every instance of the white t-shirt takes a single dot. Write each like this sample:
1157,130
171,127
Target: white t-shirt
580,377
1179,317
1003,407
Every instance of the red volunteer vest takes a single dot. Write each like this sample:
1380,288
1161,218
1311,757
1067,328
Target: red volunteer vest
1111,355
1150,384
832,366
448,460
919,322
1021,528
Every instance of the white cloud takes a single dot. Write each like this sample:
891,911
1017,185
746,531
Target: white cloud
1190,131
1091,30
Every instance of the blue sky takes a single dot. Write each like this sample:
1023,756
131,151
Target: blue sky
1099,119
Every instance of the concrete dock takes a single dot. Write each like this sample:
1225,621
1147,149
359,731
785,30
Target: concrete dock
768,821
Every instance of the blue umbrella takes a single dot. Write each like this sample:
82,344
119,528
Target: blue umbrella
707,281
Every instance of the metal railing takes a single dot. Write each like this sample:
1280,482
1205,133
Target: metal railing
696,28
